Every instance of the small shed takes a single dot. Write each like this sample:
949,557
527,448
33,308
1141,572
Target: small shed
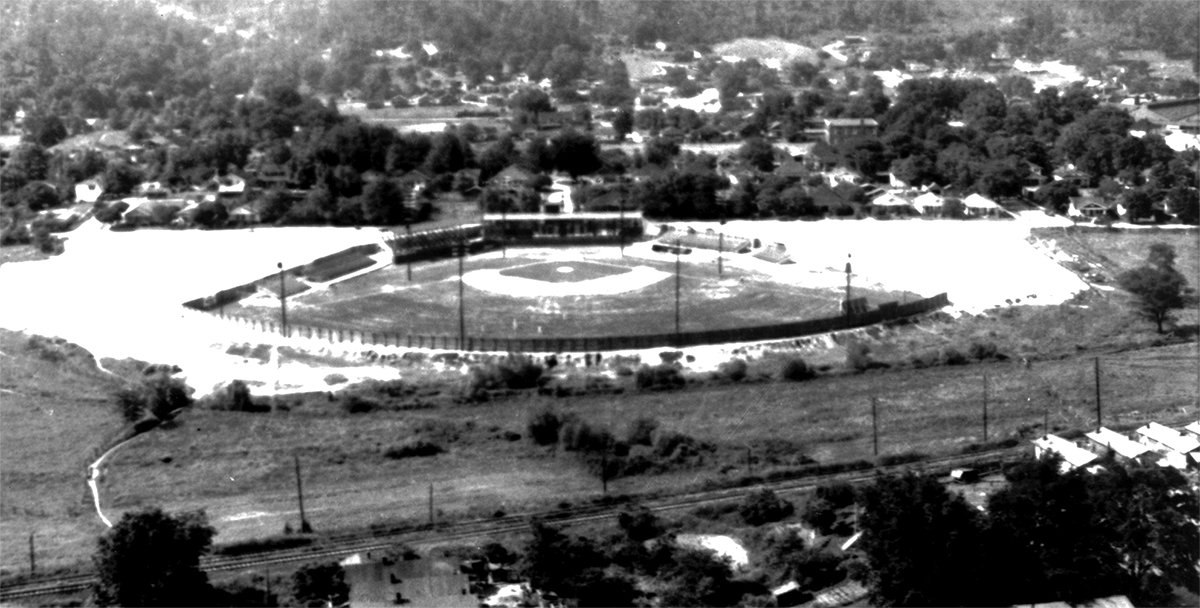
1072,455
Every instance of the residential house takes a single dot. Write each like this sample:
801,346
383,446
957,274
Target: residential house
981,206
153,212
1092,206
822,157
1072,455
1193,428
152,190
512,177
1175,115
791,169
377,581
929,204
892,204
1173,445
227,186
1068,173
1123,448
832,200
89,190
838,130
1033,177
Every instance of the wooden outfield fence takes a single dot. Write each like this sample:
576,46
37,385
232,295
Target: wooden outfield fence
760,333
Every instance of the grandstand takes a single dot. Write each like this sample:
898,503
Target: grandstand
564,227
708,239
775,253
437,242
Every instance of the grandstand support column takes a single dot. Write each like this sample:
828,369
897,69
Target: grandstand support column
282,302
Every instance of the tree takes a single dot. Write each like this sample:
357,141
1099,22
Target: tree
151,558
377,84
764,507
30,159
37,196
575,153
44,131
758,153
697,577
623,122
660,151
120,178
922,544
1157,285
318,585
211,214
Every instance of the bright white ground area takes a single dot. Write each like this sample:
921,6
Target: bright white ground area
120,294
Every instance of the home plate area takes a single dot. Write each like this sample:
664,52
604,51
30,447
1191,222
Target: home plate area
563,278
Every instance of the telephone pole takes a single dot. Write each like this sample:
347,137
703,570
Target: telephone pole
32,558
875,425
678,337
282,302
1096,360
304,527
848,309
462,319
985,397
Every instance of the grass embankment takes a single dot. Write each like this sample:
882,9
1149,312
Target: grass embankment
54,402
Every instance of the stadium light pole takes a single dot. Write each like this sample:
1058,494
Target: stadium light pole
462,319
282,302
720,247
847,306
677,334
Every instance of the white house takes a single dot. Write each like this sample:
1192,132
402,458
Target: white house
929,203
1122,446
89,190
981,206
1173,445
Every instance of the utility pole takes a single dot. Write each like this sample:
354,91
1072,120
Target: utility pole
462,319
720,248
304,527
678,339
32,558
621,223
749,461
875,425
848,309
985,420
604,471
282,302
431,504
1096,360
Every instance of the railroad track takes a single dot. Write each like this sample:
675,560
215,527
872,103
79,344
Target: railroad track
337,546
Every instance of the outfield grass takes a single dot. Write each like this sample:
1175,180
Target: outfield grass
384,301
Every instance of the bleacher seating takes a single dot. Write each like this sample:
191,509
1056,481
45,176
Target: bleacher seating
776,254
705,240
436,239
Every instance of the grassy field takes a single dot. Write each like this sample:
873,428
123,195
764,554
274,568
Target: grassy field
385,301
54,403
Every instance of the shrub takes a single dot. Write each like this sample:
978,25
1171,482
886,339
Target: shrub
543,427
675,446
641,431
838,494
661,376
764,507
733,370
983,351
580,436
820,514
795,369
857,355
165,395
131,403
413,448
357,404
236,398
953,356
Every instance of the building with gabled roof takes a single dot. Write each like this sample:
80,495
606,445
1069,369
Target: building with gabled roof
1164,438
386,580
1072,455
1126,449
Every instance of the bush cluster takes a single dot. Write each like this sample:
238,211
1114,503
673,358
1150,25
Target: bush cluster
764,507
514,372
821,512
795,369
663,376
733,370
235,397
413,448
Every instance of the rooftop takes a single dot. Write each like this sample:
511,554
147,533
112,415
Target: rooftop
1170,438
1119,443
